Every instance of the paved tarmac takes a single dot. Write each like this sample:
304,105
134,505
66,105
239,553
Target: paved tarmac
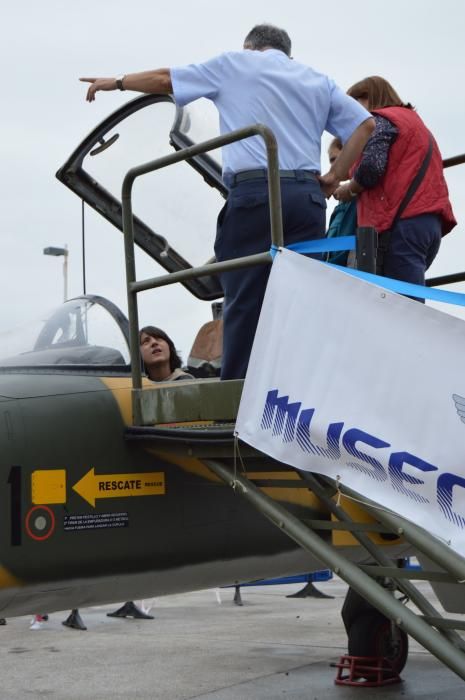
271,648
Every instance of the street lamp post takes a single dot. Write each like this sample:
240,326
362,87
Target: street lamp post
56,252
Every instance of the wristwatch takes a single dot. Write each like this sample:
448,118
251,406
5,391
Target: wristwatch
119,82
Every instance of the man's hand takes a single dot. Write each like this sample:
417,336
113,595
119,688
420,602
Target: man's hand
98,84
351,150
329,183
344,193
155,82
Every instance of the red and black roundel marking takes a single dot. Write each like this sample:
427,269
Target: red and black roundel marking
40,523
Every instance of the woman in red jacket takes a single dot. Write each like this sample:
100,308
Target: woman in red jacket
399,184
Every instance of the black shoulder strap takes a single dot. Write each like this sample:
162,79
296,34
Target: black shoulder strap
415,182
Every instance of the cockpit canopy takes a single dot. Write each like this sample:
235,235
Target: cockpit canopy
148,127
84,332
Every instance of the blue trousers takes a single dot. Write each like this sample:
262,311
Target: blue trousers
406,251
244,229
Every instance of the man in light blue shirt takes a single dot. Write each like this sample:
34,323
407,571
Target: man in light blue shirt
262,84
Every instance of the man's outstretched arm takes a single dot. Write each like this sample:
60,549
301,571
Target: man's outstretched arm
351,151
157,82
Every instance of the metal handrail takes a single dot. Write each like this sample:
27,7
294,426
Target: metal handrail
133,287
453,278
454,160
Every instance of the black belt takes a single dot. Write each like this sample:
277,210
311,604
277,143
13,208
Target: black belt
263,175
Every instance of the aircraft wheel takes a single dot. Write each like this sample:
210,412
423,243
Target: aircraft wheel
371,635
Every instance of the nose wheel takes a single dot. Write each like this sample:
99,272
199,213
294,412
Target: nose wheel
370,633
373,634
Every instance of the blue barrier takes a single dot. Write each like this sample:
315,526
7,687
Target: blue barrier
406,288
408,565
315,576
324,575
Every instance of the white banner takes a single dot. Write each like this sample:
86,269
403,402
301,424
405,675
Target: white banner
349,380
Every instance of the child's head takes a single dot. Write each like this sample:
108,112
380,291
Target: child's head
334,148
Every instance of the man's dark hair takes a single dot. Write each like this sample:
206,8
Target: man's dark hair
175,360
264,36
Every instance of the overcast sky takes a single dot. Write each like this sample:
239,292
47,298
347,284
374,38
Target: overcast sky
45,46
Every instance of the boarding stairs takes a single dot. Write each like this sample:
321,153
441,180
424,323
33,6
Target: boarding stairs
196,419
199,418
383,585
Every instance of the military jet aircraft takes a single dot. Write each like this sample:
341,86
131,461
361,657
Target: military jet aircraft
95,509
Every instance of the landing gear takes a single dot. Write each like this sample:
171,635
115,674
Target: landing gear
373,634
370,633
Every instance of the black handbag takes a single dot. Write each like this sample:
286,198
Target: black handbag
384,238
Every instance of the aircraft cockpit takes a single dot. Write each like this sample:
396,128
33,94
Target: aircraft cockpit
86,332
89,333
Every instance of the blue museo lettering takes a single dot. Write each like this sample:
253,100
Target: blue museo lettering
292,423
